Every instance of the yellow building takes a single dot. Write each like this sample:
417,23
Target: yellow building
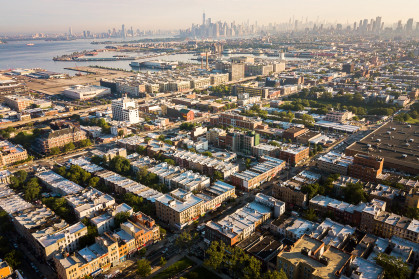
5,270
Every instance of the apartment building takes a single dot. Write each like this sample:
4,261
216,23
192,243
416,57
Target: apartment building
117,182
11,153
366,167
344,212
265,149
126,244
292,228
258,174
89,201
242,142
180,113
293,154
58,184
214,134
58,138
17,103
290,190
235,120
293,132
5,176
333,162
216,194
125,109
66,240
244,221
201,163
253,91
338,116
89,261
312,258
179,208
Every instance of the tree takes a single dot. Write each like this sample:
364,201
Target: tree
275,274
170,162
394,267
310,215
215,255
121,217
354,193
207,153
54,151
412,212
185,239
307,119
98,160
94,182
68,147
141,150
85,143
247,163
21,175
13,258
121,133
162,232
32,189
142,252
143,268
120,165
162,261
218,176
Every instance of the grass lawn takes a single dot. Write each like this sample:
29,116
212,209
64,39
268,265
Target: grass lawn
413,121
201,272
174,269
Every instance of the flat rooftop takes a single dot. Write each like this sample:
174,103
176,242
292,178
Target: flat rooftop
397,143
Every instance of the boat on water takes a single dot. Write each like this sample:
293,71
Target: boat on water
156,64
227,52
257,52
30,44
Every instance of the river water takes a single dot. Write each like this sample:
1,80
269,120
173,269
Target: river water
18,54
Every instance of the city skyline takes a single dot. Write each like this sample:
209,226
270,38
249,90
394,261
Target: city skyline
99,16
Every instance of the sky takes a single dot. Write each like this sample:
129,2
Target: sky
50,16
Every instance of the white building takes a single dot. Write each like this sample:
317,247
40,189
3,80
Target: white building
84,92
125,109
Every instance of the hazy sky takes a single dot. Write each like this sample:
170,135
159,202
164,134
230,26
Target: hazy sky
100,15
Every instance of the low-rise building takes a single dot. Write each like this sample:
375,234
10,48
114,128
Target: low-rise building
58,184
243,222
179,208
335,163
88,201
290,190
11,153
85,92
201,163
91,260
258,174
311,258
292,228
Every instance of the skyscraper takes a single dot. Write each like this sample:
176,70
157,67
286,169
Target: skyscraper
123,31
203,18
70,32
409,25
378,24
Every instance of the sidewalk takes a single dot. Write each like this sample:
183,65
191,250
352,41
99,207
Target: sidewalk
159,269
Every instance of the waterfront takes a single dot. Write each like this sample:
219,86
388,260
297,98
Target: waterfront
18,54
